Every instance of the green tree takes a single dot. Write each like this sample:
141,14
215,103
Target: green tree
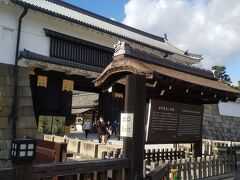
220,73
238,85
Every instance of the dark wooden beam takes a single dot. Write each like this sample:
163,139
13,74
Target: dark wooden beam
197,149
133,147
190,92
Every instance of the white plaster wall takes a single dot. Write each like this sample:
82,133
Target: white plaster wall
33,37
8,32
229,109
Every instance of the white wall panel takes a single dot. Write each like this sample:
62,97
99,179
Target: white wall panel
8,33
33,37
229,109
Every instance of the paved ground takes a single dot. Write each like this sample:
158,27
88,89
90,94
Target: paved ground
113,140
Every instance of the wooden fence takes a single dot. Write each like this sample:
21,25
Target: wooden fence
211,147
159,173
7,173
203,167
114,169
151,155
111,154
155,155
220,148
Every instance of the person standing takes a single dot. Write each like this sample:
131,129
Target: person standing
104,131
99,124
118,131
114,128
87,126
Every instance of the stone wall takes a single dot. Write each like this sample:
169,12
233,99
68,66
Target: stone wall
26,123
217,127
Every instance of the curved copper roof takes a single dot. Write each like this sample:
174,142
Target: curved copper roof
129,65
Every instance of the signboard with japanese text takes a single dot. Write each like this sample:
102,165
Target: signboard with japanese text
172,122
126,129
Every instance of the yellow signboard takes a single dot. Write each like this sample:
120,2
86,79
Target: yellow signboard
42,81
31,70
67,85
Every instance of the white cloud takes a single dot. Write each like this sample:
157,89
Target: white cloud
112,18
207,27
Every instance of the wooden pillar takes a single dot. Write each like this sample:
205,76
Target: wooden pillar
105,105
133,147
197,149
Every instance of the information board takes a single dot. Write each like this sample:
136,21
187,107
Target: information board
171,122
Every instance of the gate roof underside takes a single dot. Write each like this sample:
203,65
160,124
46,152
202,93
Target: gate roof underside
167,82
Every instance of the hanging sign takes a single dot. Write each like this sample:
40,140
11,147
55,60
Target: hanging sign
42,81
126,125
67,85
31,70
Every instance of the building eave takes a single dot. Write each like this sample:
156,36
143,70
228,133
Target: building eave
31,59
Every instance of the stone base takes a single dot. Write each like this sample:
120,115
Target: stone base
59,139
74,145
217,127
26,123
89,149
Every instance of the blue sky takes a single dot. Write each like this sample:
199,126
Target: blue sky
133,15
233,70
108,8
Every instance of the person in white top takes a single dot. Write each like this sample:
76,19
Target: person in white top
86,127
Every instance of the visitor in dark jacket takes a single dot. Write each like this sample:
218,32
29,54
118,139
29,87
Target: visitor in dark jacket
104,131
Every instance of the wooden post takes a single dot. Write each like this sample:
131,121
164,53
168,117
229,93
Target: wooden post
197,149
105,111
24,170
59,149
133,147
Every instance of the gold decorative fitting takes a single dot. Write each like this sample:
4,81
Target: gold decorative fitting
42,81
67,85
118,95
31,70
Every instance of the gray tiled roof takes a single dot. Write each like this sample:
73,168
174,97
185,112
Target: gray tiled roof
151,58
75,14
83,99
38,57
